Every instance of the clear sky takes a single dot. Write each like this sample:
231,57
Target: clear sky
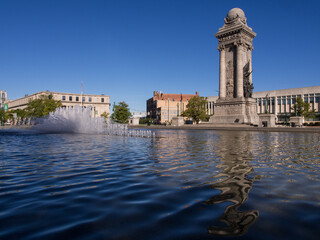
129,48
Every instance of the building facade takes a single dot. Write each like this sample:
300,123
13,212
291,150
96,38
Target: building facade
99,103
162,107
281,102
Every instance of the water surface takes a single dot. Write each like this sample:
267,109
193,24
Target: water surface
180,185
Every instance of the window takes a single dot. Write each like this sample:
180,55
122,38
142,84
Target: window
70,98
63,98
311,100
83,99
102,99
90,99
77,99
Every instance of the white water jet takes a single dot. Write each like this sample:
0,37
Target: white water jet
79,120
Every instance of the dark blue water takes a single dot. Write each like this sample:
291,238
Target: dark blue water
181,185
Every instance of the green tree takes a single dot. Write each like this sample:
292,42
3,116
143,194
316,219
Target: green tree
42,106
105,115
121,112
302,108
2,117
196,109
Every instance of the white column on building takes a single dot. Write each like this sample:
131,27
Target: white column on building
239,70
222,72
275,105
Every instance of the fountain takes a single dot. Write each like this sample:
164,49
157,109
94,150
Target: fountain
78,120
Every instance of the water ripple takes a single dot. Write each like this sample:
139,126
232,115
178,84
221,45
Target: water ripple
179,185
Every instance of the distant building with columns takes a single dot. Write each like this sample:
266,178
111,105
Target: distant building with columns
99,103
163,106
280,102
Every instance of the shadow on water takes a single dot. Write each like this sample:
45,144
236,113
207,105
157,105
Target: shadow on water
235,153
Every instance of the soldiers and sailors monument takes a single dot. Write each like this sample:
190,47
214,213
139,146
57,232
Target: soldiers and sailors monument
235,103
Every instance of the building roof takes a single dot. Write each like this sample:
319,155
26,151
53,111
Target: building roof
172,96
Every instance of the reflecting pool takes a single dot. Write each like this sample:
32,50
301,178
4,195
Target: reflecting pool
180,185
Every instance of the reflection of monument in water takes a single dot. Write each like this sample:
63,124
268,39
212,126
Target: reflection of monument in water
234,150
235,103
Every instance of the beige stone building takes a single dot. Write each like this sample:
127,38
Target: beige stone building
162,107
280,102
99,103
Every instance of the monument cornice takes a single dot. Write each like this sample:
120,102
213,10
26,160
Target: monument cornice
242,29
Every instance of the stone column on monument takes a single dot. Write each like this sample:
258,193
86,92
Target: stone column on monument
239,70
222,72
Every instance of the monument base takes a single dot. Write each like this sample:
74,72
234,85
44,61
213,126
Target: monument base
236,110
177,121
296,121
267,120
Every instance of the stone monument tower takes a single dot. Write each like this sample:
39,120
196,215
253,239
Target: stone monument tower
235,103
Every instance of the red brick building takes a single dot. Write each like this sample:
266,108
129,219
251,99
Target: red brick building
163,106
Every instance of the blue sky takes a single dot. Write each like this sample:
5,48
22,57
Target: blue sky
129,48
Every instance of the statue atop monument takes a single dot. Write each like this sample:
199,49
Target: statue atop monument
235,101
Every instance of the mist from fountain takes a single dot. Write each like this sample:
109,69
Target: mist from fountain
79,120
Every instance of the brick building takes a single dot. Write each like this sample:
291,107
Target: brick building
163,106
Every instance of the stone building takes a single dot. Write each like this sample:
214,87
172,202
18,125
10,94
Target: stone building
99,103
235,103
280,102
163,106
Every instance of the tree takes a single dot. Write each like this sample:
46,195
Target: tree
196,109
42,106
121,112
302,108
105,115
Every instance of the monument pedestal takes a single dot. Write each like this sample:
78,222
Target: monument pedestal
235,110
267,120
177,121
296,121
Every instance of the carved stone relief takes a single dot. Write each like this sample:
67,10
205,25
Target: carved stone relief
229,78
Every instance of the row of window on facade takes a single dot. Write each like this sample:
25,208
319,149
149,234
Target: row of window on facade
174,112
77,98
313,99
